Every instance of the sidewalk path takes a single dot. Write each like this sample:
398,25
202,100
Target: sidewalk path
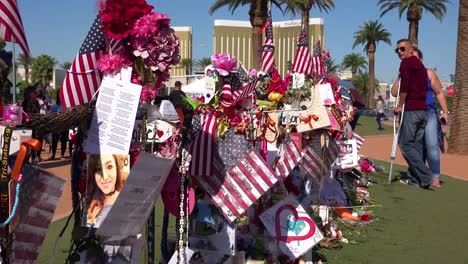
380,147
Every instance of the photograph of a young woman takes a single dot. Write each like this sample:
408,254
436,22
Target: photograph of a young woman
106,176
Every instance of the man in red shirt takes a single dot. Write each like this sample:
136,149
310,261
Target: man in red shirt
413,89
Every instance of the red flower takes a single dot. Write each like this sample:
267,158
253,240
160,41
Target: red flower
365,218
119,16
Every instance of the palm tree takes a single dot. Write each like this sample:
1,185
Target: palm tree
202,63
458,130
414,10
304,7
258,14
26,61
66,65
187,64
42,69
331,66
369,36
361,82
355,61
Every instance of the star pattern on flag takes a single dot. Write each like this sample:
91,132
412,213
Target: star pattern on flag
95,40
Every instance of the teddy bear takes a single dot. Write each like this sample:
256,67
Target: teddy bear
13,114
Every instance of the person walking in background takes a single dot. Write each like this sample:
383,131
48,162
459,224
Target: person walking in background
31,106
413,89
433,130
62,136
380,108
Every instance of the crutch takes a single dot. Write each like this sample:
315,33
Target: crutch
396,133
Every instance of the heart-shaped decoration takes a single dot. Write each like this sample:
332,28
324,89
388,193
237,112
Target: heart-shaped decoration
303,219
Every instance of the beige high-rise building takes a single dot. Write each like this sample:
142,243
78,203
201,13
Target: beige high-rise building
235,38
185,48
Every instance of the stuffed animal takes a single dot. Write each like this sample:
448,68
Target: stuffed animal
13,114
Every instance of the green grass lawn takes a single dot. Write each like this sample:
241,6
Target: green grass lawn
367,126
413,226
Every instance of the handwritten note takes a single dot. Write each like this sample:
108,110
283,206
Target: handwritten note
114,117
133,206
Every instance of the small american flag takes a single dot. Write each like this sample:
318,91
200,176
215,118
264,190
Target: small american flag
317,63
332,151
83,78
313,165
268,55
289,157
203,147
234,191
39,196
359,141
11,25
302,61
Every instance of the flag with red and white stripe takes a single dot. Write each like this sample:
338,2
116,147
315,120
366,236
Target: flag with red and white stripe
234,191
39,196
84,78
268,54
317,62
302,60
11,25
203,147
359,141
313,165
289,157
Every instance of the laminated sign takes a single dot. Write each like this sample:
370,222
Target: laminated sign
237,189
292,227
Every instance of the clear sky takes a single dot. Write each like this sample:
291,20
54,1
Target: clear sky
58,27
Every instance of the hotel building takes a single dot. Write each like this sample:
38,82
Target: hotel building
185,49
235,38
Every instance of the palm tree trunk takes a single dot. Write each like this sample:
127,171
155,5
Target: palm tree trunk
305,21
458,142
353,72
413,16
26,73
371,88
258,17
413,32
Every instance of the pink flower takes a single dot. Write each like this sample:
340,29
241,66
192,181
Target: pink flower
223,63
113,63
147,93
155,42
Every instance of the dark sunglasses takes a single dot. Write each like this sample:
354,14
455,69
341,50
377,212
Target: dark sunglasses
402,49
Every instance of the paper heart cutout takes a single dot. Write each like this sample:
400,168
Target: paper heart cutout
287,238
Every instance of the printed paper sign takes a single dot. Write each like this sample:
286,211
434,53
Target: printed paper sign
326,93
314,117
114,117
133,206
292,227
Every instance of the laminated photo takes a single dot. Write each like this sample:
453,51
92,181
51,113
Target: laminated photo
106,176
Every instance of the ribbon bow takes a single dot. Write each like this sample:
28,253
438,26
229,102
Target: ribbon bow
308,119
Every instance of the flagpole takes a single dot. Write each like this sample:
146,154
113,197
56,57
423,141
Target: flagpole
14,69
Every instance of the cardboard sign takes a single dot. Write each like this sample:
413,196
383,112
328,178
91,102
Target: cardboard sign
166,127
304,119
292,227
18,136
326,93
